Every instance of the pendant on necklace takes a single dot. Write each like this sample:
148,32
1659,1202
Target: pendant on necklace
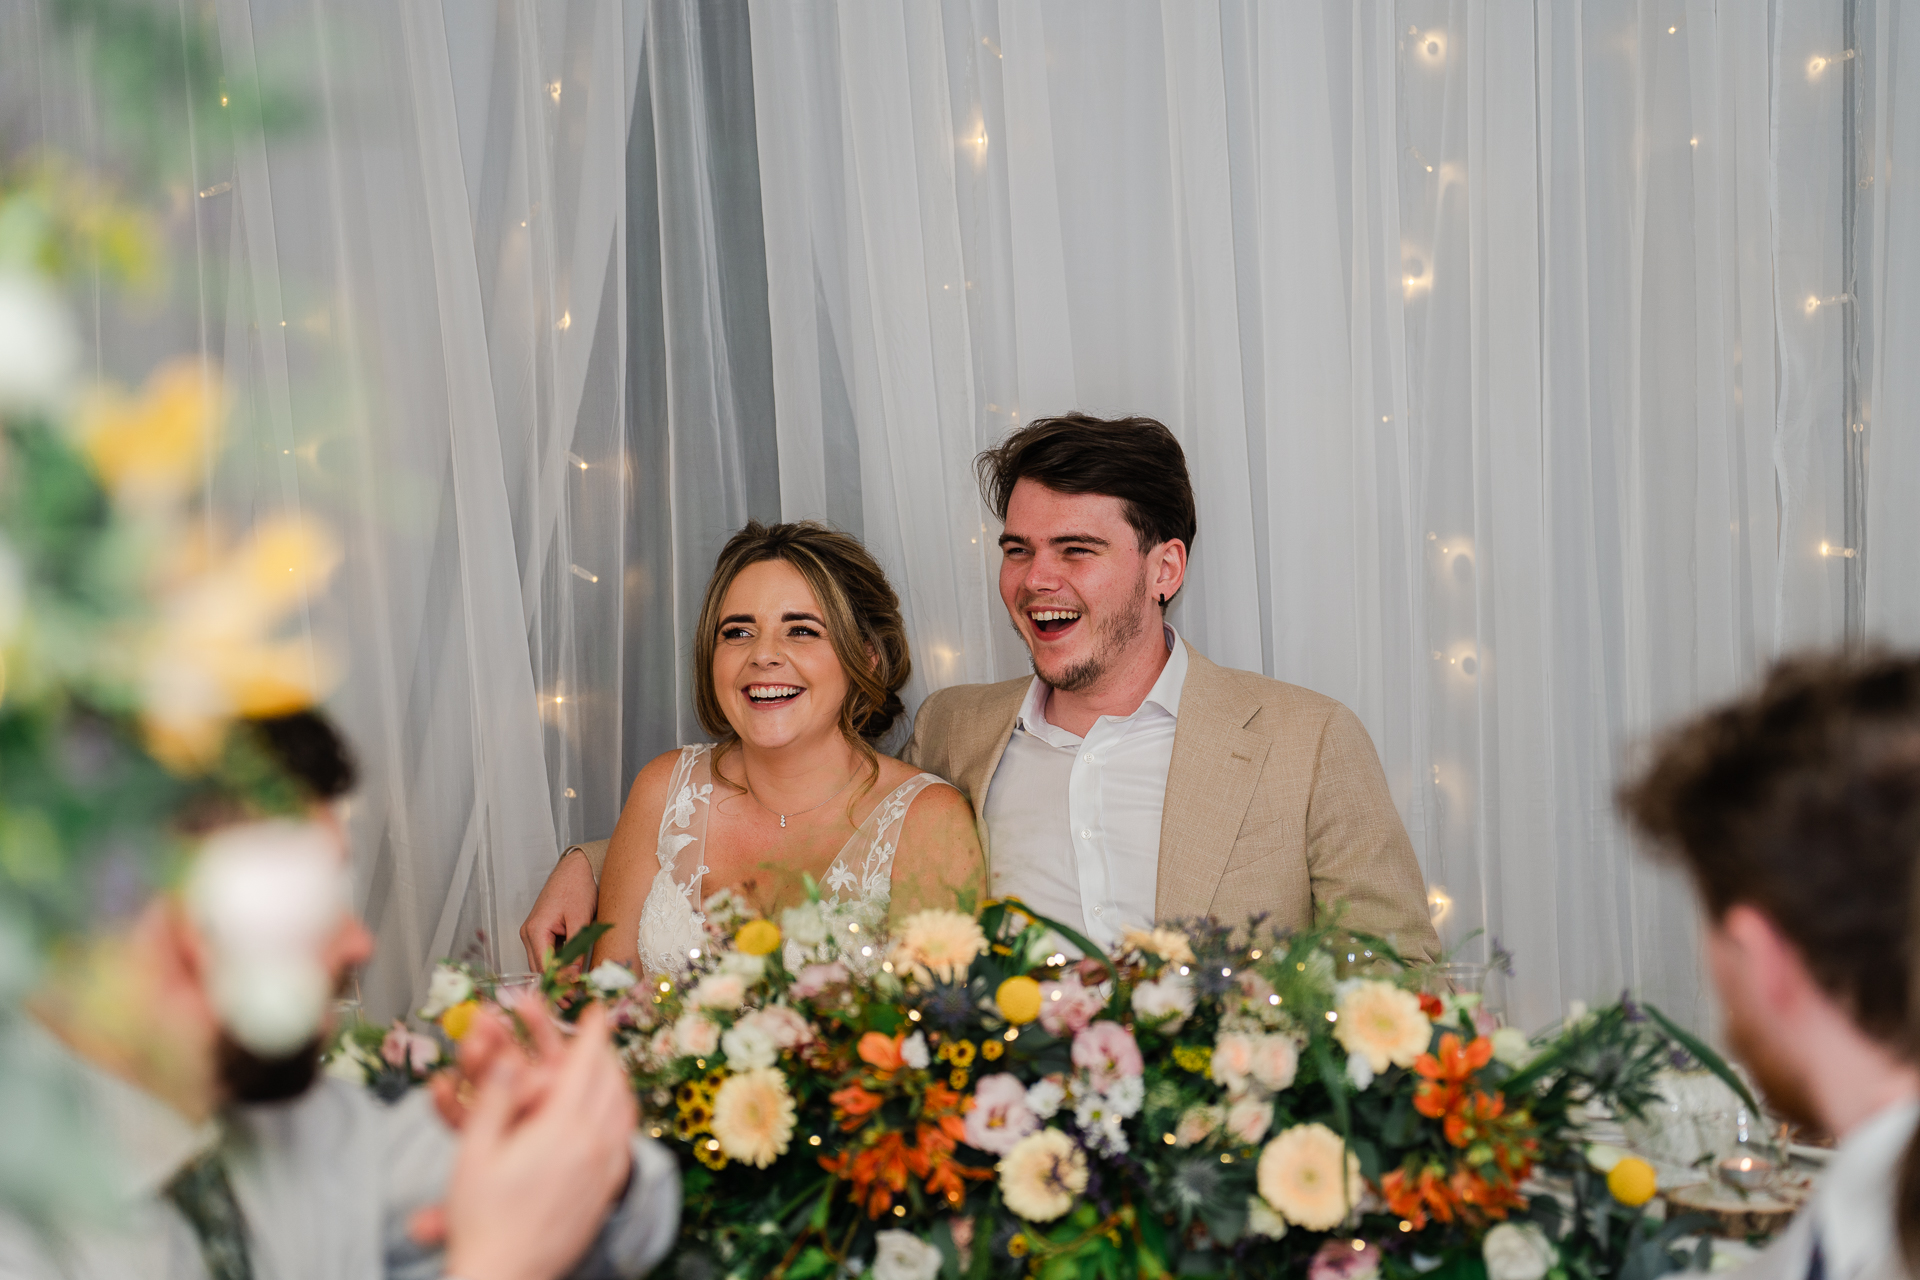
783,822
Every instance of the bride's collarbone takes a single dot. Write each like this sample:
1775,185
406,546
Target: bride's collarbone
753,854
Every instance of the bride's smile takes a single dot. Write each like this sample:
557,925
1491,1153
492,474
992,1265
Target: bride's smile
783,682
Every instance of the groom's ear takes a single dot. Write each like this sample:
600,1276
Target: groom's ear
1168,567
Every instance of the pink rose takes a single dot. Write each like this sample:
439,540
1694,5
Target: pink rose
815,978
1000,1116
1254,989
1196,1125
1339,1260
1232,1062
1275,1062
695,1037
1247,1119
660,1049
1068,1006
1106,1051
788,1029
402,1048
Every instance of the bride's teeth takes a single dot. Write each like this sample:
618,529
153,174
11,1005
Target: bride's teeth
782,691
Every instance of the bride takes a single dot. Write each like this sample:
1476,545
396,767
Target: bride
798,658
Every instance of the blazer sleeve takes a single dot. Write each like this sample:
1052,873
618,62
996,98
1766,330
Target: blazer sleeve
920,750
1357,848
595,852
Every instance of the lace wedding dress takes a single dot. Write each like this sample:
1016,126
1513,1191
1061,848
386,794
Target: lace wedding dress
856,888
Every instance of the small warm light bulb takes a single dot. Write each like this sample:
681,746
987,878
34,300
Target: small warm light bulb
1332,1016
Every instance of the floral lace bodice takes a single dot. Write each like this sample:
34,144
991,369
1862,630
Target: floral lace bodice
856,887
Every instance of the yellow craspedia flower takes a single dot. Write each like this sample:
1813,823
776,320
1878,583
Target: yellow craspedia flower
1632,1182
757,937
1019,1000
457,1021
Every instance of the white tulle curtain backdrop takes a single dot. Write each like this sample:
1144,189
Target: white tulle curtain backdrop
1527,358
1505,343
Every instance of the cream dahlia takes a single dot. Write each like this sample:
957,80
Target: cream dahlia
939,944
1300,1175
753,1116
1382,1023
1043,1174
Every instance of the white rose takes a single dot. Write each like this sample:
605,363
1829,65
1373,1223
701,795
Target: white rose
447,988
1359,1072
747,968
804,924
1247,1119
788,1029
1517,1251
611,976
39,353
901,1255
694,1036
913,1052
1196,1125
1263,1221
1275,1062
719,991
748,1045
1170,996
1510,1046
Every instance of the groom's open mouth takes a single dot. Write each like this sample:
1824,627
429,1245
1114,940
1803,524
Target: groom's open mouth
773,695
1052,622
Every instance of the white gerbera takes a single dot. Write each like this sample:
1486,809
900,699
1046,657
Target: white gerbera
1043,1175
753,1116
1300,1174
1383,1023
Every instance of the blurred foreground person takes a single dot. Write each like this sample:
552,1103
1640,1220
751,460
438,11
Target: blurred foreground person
1797,812
190,1033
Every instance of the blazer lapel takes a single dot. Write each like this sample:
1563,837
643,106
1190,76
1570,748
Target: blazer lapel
1216,766
986,741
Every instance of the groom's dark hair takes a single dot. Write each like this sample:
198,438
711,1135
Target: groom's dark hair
1136,460
1802,800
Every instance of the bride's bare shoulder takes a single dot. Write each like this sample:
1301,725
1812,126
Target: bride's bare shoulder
649,790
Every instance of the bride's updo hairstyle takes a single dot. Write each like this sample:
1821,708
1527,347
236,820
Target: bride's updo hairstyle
861,612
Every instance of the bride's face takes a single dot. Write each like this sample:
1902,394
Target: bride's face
774,669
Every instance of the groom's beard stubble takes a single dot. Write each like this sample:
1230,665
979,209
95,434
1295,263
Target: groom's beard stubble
1112,635
248,1077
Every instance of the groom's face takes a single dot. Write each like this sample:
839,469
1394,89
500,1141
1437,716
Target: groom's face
1075,581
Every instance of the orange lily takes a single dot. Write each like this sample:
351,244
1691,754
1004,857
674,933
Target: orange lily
1446,1075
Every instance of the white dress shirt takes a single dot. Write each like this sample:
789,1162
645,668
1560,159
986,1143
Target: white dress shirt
1073,824
1853,1207
326,1184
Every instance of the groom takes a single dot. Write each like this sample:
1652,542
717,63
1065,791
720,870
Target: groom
1129,779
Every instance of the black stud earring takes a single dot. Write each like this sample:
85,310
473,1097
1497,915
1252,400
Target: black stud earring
1163,600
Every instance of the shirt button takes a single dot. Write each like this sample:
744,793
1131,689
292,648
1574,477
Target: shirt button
1088,757
1086,835
1099,911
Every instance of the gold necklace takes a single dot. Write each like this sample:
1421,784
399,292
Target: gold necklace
797,813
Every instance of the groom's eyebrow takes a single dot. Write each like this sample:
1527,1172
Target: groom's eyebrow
1061,540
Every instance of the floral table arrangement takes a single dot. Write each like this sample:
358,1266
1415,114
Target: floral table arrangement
966,1099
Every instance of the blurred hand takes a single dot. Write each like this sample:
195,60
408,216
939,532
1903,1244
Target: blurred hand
490,1041
543,1153
565,906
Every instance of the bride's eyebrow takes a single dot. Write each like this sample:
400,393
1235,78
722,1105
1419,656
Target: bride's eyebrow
794,616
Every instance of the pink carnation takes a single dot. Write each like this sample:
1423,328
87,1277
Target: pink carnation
1000,1116
402,1048
1106,1052
1068,1006
1339,1260
786,1028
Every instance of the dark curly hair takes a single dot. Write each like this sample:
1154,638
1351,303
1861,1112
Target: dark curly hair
862,616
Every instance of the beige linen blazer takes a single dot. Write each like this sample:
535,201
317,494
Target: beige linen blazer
1276,802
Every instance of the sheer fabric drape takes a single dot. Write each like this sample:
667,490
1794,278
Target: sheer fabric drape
441,300
1486,329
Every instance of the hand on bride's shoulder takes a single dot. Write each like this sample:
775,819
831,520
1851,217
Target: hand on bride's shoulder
938,861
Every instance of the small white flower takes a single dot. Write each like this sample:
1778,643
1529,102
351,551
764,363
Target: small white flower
1045,1097
748,1045
804,924
1126,1095
749,969
901,1255
1510,1046
39,351
447,988
913,1052
1359,1071
1263,1221
1170,996
1517,1251
611,976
